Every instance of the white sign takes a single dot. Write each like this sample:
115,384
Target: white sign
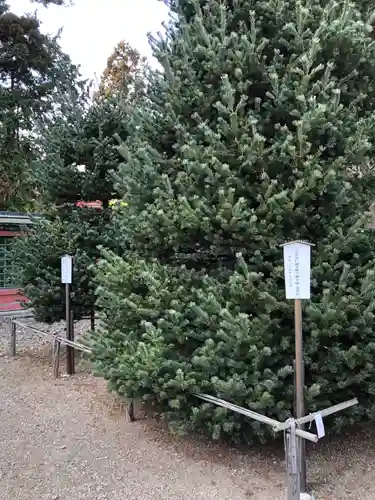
319,425
66,269
297,264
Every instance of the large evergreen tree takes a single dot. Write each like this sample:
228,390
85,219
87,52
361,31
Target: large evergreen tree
260,130
32,67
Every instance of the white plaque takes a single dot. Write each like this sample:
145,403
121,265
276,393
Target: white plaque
319,425
66,269
297,269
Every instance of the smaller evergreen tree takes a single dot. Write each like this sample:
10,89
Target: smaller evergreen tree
79,156
37,261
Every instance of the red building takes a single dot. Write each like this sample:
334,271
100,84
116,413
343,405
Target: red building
12,224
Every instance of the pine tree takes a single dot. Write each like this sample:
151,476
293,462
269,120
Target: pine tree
260,130
32,67
73,231
85,135
79,156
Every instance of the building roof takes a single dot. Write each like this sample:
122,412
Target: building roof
17,218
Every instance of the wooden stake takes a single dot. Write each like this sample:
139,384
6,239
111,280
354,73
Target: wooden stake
69,333
92,320
12,337
72,338
56,358
131,410
300,382
292,462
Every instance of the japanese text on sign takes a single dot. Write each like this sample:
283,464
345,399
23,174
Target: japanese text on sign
297,270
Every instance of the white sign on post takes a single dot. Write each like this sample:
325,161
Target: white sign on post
297,269
66,269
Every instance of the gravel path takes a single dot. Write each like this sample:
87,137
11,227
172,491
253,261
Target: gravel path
68,439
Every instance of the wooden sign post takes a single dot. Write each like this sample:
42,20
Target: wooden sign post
297,272
66,278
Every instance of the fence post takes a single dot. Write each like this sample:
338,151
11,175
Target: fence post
92,320
56,357
292,455
12,336
131,410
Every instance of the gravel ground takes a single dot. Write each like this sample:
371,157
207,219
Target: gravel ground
69,439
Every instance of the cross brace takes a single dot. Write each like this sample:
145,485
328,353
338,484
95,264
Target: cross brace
275,424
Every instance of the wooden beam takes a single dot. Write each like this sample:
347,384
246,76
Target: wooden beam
75,345
275,424
239,409
53,337
323,413
33,329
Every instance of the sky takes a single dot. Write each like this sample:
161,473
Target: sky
92,28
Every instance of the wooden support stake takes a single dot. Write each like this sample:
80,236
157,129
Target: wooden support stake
131,410
92,320
56,358
69,333
300,382
12,337
292,462
72,339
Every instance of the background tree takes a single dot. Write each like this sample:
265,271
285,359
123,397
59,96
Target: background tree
123,72
32,66
79,157
266,115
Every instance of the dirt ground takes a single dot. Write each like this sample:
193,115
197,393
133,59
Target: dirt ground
69,439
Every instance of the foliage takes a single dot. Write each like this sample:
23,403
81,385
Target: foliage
123,74
87,137
37,260
32,67
260,130
77,135
47,3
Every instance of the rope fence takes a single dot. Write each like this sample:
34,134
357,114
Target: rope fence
57,341
293,433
